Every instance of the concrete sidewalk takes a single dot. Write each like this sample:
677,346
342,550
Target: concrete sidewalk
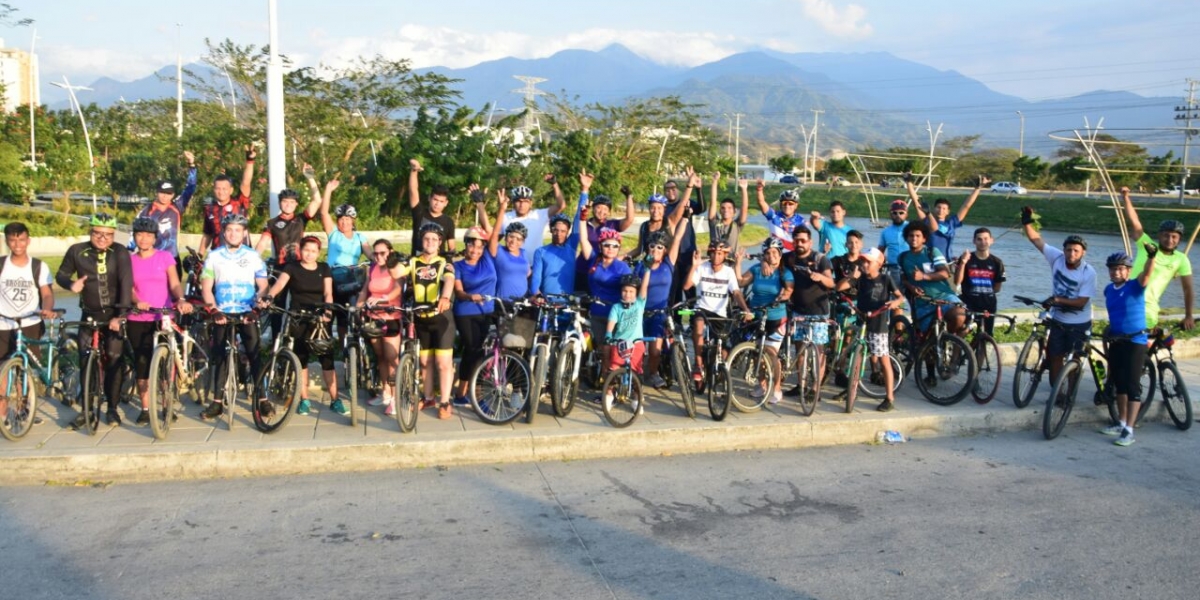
324,441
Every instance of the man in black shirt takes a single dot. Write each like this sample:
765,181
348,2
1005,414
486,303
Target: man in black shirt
813,279
980,274
434,212
845,265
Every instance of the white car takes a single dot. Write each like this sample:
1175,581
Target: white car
1008,187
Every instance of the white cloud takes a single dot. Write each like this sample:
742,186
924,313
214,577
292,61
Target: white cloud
86,64
844,23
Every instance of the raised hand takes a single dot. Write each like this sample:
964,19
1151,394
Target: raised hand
744,184
415,165
308,171
251,153
189,157
586,179
550,178
478,196
332,185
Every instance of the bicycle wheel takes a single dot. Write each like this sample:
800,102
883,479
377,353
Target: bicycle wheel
1062,399
500,387
987,362
566,384
20,399
352,364
277,393
408,391
945,370
857,358
541,361
622,397
65,377
92,394
683,378
1027,373
900,340
231,392
752,377
809,377
162,391
1175,394
720,392
871,383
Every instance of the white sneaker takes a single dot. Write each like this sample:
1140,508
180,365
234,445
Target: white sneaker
390,411
1113,430
776,397
380,401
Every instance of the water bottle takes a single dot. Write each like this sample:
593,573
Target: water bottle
1099,370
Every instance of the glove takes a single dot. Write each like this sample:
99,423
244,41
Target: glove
1027,215
907,177
625,191
477,196
1151,251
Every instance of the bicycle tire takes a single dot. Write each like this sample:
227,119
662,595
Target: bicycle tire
90,405
408,391
1028,371
750,370
500,388
231,389
279,385
21,399
869,388
541,360
854,374
162,391
809,376
65,377
1175,395
565,385
621,397
1149,382
987,368
720,392
945,370
1054,418
679,368
352,364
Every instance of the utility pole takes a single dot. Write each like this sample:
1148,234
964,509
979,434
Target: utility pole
1021,148
531,93
1187,113
816,121
178,80
933,136
737,145
33,75
87,137
276,140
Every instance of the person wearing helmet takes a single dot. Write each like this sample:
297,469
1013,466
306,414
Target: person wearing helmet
283,231
233,281
781,222
28,286
512,261
683,209
1125,300
431,284
1073,283
659,263
555,267
715,283
432,212
942,224
381,290
1172,263
832,230
155,286
534,220
725,221
225,204
347,249
310,286
768,282
167,210
474,285
605,271
625,324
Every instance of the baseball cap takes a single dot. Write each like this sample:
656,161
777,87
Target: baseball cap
164,187
899,205
873,255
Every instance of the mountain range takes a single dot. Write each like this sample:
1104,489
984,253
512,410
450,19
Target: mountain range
870,98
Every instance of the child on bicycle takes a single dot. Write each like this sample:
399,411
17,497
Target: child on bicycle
1126,337
625,323
877,290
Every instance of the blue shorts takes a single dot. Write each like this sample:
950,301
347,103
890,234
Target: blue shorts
815,332
655,326
925,312
1065,337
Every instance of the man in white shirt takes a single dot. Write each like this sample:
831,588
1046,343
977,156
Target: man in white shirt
715,283
24,292
534,220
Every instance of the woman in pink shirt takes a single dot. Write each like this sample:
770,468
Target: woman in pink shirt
382,290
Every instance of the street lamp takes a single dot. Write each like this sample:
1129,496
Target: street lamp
358,113
1021,148
32,102
232,93
66,85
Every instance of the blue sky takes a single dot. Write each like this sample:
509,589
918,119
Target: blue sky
1032,49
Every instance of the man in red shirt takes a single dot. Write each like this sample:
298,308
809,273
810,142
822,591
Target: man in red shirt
225,204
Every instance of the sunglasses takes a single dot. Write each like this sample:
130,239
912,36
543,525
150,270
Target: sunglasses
658,247
384,253
610,245
103,234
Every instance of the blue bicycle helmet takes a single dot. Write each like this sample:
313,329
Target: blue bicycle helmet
1118,259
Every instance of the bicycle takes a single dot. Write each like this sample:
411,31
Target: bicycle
944,362
1174,390
501,384
233,363
540,358
673,366
801,356
716,382
568,355
1066,386
93,359
754,371
358,357
177,365
277,391
987,355
857,363
22,373
621,392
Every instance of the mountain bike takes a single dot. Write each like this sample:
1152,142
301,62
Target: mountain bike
94,359
945,364
987,354
568,354
716,381
234,369
1174,390
674,364
860,366
753,369
277,392
1066,386
23,373
621,392
178,364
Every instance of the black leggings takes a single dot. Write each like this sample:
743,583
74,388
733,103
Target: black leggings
1126,359
250,342
141,337
472,331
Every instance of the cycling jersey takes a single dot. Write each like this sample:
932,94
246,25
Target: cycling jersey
235,275
427,276
345,251
168,216
213,213
781,226
285,232
108,288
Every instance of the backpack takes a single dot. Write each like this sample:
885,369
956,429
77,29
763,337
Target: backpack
37,267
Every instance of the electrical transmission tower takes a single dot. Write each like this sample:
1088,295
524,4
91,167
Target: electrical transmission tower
531,93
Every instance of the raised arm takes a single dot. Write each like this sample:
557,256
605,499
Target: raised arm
966,207
694,181
248,172
814,219
712,197
1035,238
314,205
189,188
560,201
744,215
414,190
327,221
494,236
1151,251
1135,224
676,241
961,272
763,207
479,199
630,210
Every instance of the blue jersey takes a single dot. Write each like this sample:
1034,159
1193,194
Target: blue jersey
512,274
766,288
479,278
345,251
605,283
943,237
660,284
234,274
1127,310
891,239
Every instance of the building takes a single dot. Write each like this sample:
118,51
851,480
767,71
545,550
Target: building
18,70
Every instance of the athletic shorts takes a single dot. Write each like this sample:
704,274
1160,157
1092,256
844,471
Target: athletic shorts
815,332
1066,337
1126,359
616,362
878,343
436,333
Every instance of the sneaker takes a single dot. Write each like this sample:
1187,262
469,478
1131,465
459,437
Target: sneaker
886,406
38,420
1113,430
390,410
215,409
793,393
380,401
461,401
1126,438
697,376
339,407
113,419
516,401
304,408
656,381
265,408
445,411
426,403
78,423
757,392
775,398
143,417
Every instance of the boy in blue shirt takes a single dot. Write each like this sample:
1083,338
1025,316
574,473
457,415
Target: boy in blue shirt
1126,336
625,323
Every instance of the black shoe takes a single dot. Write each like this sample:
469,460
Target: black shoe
38,420
113,419
931,381
840,379
143,417
265,408
78,423
793,393
215,409
886,406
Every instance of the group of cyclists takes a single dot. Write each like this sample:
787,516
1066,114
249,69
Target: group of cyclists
807,265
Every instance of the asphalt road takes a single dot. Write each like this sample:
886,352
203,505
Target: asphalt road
979,517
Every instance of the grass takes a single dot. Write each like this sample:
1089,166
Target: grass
1023,331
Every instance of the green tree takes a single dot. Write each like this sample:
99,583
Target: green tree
784,163
1070,171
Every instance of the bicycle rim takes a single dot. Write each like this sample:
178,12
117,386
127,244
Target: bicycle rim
809,380
1027,373
20,399
857,356
1175,395
621,396
987,363
720,393
162,392
541,357
91,394
679,366
1057,410
408,392
752,376
500,388
279,386
565,387
945,370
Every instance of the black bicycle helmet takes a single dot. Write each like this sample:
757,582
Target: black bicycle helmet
658,238
1118,259
234,219
346,210
1075,239
372,330
517,228
560,218
1172,225
630,281
428,227
772,242
320,346
145,225
288,193
602,199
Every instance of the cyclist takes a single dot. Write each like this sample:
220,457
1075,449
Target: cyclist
715,284
283,232
431,282
167,210
434,212
101,273
1125,299
660,221
725,221
224,204
768,283
1171,263
660,264
942,224
874,291
512,263
533,220
347,248
155,285
625,322
555,268
604,281
980,275
926,276
891,239
382,290
474,281
27,289
812,279
683,209
234,280
1074,285
833,233
783,221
